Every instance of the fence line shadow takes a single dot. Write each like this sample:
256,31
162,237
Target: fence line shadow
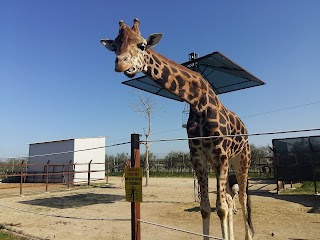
76,200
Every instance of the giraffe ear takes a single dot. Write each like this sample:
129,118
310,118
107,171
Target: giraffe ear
108,44
153,39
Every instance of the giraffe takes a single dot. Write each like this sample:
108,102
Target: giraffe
207,117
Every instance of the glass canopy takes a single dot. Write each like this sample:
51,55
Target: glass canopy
223,75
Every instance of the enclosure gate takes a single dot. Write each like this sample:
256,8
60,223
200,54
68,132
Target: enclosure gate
297,159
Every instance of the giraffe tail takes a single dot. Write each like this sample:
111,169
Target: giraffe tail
249,210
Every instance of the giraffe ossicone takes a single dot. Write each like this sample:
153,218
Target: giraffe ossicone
208,117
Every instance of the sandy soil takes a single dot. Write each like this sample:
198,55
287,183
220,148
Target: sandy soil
167,201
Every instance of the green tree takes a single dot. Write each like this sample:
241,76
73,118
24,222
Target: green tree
258,152
12,165
151,160
116,162
178,160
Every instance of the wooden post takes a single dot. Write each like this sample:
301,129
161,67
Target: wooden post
89,169
135,206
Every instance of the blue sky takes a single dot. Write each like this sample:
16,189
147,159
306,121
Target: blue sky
57,81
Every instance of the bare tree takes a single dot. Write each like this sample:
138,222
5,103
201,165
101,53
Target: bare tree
145,107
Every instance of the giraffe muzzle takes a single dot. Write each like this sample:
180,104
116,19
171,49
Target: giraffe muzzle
127,70
122,64
131,72
121,67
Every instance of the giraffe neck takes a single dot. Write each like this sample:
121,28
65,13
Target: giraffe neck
180,81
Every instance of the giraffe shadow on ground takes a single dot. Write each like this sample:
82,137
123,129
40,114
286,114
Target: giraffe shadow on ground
308,201
76,200
156,201
297,239
197,209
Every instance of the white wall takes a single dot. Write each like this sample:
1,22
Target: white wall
76,156
83,158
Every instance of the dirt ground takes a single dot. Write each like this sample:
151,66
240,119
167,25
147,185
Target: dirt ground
103,213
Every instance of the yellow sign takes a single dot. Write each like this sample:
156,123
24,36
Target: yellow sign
133,184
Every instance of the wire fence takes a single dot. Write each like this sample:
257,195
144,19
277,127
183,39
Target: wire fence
261,167
234,135
68,174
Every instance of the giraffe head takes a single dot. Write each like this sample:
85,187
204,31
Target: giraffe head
130,48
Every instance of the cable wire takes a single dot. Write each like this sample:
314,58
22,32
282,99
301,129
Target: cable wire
61,216
254,115
179,230
237,135
80,150
281,109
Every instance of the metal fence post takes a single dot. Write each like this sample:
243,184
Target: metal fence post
107,168
135,206
68,183
47,175
89,169
21,175
52,176
313,166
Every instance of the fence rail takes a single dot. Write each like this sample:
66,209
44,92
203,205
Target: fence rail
65,174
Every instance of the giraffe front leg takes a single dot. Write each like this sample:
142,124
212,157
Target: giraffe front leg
200,167
221,169
205,212
204,202
205,219
222,211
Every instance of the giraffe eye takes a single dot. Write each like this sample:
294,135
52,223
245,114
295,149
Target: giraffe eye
142,46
